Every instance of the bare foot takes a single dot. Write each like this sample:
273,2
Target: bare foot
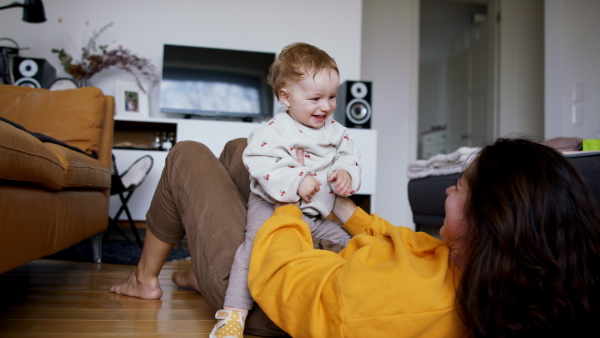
140,287
186,279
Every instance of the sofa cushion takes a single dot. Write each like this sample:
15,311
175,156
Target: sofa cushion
73,116
24,158
80,170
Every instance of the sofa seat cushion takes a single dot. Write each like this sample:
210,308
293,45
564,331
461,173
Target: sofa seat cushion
72,116
24,158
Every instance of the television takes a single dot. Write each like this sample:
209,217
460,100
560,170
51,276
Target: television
216,83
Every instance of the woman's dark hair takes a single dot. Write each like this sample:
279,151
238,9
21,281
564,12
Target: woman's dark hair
533,263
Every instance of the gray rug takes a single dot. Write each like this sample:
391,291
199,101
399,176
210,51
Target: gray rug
113,252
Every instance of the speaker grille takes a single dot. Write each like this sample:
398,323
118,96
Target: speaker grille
358,111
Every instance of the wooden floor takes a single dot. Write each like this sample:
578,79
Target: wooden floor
48,298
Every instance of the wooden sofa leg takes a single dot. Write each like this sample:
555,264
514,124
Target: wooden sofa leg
97,248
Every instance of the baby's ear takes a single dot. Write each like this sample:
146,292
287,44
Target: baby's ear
284,97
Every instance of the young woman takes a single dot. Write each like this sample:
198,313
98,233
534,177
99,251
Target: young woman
521,225
520,255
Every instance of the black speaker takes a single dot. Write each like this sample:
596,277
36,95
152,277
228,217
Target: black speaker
30,72
354,104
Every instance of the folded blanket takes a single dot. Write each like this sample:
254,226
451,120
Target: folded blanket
564,143
442,164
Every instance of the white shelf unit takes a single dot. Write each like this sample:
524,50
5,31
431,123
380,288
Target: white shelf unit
214,134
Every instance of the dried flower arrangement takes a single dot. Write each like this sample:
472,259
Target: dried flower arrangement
96,58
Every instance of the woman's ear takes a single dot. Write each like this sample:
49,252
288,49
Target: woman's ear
284,97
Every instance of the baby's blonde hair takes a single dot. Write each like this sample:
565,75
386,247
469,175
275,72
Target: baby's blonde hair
297,60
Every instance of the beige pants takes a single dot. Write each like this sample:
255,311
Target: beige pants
205,198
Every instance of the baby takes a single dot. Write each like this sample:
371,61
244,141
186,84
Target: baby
305,79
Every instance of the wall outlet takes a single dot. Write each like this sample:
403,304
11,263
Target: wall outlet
577,94
577,114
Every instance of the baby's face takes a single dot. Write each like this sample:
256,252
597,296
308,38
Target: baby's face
313,98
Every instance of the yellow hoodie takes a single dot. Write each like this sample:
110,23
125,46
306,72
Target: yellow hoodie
388,282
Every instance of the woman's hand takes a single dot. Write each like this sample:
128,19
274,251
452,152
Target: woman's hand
308,188
309,185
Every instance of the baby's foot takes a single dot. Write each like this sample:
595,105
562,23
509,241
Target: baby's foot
230,325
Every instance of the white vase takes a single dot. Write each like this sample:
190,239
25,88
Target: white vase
83,82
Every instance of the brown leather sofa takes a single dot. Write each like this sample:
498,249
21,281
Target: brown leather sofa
53,194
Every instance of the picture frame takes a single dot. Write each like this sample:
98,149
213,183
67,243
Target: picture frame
130,100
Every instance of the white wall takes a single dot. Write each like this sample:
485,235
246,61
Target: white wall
521,69
390,59
144,26
572,56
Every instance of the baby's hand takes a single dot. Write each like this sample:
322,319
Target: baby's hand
343,182
308,187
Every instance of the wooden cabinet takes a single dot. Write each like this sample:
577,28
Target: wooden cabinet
139,134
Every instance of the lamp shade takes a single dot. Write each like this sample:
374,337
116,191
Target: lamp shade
33,11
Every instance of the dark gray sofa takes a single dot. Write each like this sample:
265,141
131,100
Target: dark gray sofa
427,195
